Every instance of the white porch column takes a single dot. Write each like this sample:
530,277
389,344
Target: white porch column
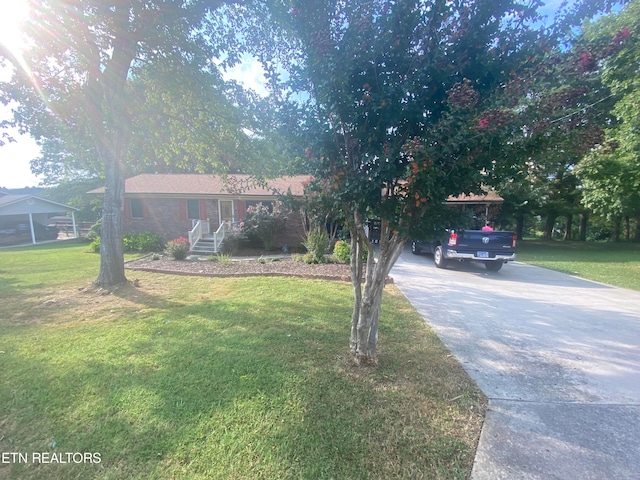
75,227
33,233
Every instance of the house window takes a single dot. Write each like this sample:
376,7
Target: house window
193,209
136,208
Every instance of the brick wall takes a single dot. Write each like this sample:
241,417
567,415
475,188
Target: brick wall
167,217
160,215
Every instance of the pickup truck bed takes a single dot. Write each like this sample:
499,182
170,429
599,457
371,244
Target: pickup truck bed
494,248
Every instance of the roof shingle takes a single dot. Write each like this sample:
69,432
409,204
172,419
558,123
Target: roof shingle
189,184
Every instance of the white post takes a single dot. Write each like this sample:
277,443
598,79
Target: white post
33,233
75,228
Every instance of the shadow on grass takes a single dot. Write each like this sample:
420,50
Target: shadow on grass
221,390
77,303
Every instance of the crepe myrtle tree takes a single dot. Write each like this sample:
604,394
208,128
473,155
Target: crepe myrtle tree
406,99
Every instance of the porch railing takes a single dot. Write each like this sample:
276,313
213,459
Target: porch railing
218,236
195,234
202,228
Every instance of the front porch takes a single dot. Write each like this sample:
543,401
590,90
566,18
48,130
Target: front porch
204,242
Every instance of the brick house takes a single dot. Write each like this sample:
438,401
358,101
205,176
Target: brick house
174,205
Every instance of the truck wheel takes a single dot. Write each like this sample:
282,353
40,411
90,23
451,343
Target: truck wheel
414,249
493,266
438,258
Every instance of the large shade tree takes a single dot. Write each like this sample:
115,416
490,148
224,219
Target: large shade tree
564,109
182,119
101,83
611,173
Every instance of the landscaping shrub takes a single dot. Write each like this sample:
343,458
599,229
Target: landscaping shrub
342,251
178,248
129,242
317,244
221,258
143,242
94,246
233,238
94,231
134,242
264,223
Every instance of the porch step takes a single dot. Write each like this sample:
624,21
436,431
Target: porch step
204,246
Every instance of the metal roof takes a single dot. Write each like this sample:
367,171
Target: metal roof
23,204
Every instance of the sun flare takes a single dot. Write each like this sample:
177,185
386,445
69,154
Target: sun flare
12,18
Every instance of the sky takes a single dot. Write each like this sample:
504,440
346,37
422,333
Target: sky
14,163
15,171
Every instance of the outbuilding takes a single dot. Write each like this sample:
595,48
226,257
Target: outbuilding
25,217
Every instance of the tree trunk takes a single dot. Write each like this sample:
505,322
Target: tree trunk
520,226
368,297
617,223
111,246
357,243
636,238
627,228
111,126
582,229
547,233
568,227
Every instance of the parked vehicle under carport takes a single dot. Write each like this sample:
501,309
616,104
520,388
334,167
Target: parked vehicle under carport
16,233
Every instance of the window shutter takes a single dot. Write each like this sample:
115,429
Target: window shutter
183,209
203,209
127,208
242,210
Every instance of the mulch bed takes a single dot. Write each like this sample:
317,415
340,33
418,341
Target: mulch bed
242,267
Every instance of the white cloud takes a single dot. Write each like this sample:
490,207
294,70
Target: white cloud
250,74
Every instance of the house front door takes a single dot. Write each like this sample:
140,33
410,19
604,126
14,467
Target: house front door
226,211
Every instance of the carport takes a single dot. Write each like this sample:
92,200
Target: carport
31,208
471,201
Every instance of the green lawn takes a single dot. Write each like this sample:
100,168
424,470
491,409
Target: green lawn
202,378
616,264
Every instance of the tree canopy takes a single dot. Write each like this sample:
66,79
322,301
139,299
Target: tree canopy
611,173
112,87
408,106
410,102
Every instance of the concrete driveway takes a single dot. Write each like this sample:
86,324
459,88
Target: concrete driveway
557,356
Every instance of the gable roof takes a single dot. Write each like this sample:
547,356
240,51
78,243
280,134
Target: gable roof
22,204
190,184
